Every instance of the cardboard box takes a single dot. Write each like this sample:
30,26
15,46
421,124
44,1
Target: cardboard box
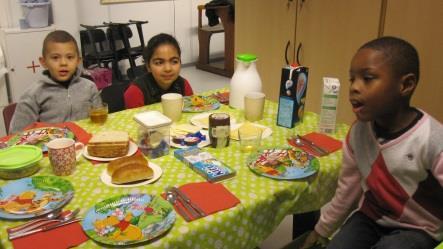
293,88
204,164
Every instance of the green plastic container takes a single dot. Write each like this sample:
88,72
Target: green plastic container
19,161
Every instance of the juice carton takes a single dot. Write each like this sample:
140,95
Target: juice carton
291,103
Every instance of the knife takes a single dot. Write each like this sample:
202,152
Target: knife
43,229
187,200
67,198
320,150
186,205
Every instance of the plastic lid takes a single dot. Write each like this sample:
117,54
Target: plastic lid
246,57
18,156
152,119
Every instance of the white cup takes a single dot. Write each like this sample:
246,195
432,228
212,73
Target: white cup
63,154
172,104
254,105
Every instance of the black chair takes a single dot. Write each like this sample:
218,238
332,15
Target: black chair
113,95
95,47
120,33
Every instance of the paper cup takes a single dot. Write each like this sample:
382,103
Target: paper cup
172,104
254,104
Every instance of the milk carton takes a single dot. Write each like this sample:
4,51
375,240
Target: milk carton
291,103
328,110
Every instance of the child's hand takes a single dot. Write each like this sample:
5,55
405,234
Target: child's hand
313,239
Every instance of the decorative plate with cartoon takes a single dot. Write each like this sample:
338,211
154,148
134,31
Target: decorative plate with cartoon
128,219
40,136
34,196
283,163
198,103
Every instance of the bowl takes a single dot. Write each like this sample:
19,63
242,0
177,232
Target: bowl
19,161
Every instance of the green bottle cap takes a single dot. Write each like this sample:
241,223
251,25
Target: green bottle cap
246,57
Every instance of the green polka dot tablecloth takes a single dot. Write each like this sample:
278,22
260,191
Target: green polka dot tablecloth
264,201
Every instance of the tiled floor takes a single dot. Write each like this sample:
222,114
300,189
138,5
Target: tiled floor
203,81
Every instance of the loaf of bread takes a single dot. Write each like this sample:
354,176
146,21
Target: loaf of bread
129,169
109,144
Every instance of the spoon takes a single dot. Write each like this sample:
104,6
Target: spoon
50,216
185,204
64,217
311,145
172,198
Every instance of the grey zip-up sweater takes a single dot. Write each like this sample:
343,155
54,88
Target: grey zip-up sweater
51,102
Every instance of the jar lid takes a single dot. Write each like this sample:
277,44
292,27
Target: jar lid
19,156
152,119
246,57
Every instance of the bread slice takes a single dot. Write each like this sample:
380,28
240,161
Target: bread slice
109,144
129,169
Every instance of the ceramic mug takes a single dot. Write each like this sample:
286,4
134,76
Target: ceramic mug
63,154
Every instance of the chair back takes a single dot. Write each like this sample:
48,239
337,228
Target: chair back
113,95
8,112
95,47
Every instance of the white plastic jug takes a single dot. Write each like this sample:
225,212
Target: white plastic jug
245,79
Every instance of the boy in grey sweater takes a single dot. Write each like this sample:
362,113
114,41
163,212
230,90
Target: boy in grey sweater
60,94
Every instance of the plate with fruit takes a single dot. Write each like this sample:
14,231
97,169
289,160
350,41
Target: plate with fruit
199,103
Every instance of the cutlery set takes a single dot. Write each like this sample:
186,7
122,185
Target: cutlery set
173,194
302,141
52,220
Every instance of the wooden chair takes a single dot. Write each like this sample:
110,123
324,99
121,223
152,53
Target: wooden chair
8,112
204,36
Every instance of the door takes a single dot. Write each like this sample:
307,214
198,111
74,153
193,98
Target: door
266,29
421,23
22,49
330,32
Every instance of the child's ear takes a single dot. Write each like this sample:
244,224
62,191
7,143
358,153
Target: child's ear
42,61
409,82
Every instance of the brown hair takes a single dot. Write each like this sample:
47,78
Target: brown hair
60,36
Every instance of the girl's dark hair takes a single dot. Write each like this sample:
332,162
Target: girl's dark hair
156,41
402,55
59,36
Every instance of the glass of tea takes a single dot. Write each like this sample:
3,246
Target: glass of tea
98,113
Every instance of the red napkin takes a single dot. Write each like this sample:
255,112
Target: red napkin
321,140
210,197
58,238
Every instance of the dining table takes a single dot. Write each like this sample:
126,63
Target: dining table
264,202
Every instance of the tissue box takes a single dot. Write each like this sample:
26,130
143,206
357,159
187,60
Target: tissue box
204,164
291,103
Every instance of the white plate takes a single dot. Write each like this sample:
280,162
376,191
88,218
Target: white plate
131,151
196,120
200,145
106,179
266,132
